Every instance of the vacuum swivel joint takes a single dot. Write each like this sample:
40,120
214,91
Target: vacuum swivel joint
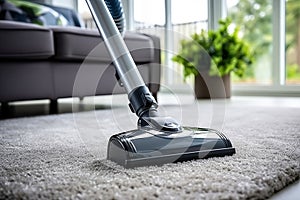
141,101
144,105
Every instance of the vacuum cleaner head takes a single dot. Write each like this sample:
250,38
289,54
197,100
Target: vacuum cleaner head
146,146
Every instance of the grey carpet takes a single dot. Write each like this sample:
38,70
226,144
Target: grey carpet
63,156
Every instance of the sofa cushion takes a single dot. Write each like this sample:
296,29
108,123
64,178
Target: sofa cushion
22,40
73,43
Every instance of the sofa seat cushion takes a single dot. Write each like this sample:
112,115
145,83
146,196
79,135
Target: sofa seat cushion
73,43
25,41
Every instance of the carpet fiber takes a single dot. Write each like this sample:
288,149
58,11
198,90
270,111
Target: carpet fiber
63,156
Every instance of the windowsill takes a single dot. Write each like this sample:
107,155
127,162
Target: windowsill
242,90
260,90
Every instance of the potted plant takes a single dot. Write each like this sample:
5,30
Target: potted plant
211,56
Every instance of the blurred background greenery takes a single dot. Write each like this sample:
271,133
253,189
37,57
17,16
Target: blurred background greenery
254,17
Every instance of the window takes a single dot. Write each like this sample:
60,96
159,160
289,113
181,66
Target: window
187,17
292,18
171,20
66,3
188,11
149,13
277,70
255,21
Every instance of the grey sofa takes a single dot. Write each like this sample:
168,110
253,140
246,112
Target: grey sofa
56,62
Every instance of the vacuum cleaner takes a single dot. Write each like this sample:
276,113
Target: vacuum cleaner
157,139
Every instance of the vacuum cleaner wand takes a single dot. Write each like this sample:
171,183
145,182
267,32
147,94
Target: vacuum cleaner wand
158,139
141,100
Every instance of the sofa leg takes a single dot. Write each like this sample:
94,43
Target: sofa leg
4,110
53,106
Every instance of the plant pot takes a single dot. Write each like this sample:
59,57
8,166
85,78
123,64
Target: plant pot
210,87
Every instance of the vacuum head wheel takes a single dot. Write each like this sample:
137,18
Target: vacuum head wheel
145,146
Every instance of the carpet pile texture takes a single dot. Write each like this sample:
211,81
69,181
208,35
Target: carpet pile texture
63,156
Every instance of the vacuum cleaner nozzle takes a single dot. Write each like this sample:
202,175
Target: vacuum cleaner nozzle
147,146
